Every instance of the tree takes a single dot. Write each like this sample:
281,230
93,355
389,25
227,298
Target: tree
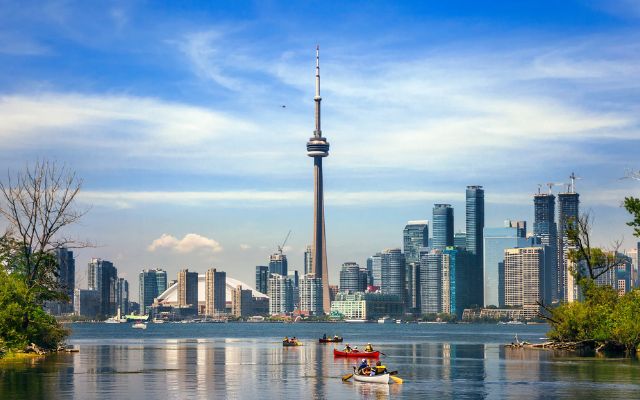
37,204
632,204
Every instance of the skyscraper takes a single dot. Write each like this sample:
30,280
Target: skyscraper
278,263
280,294
442,226
568,211
215,287
187,288
102,278
415,236
521,227
431,281
152,282
496,241
311,294
353,278
474,246
393,273
460,240
524,277
318,148
66,276
376,269
308,263
262,278
413,287
545,228
122,296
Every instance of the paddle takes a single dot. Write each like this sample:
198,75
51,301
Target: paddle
396,379
346,377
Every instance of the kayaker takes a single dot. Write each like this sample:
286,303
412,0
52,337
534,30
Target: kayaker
363,365
347,348
355,349
335,337
369,348
286,339
380,369
324,337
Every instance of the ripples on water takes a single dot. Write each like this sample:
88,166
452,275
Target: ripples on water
247,361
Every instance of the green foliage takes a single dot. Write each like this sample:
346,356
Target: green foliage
632,205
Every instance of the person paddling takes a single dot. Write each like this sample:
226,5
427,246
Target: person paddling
380,369
347,348
363,365
368,348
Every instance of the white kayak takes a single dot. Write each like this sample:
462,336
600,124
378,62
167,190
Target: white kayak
383,378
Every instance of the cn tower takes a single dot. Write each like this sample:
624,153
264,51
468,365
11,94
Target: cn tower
318,148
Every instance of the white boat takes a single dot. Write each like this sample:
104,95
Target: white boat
385,320
354,321
383,378
139,325
158,321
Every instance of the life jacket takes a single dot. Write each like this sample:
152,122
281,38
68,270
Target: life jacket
380,369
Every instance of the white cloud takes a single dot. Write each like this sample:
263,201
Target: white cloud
189,243
244,246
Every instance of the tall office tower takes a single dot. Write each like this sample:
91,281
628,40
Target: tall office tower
455,280
262,278
431,281
370,271
524,278
280,294
568,212
102,277
496,241
308,263
318,148
351,278
122,296
215,289
413,287
376,269
278,264
311,295
521,226
152,283
415,236
442,226
363,279
460,240
187,288
475,225
393,273
66,277
545,229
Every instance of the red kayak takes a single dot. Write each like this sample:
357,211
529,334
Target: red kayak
363,354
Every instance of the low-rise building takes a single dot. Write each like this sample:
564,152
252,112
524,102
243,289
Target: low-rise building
366,306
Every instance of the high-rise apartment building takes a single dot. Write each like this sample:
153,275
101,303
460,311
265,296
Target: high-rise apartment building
86,303
376,269
215,286
151,283
280,294
442,226
460,240
352,278
187,289
524,279
496,241
311,295
102,277
474,246
455,280
262,278
122,296
431,281
545,229
393,273
568,212
415,237
66,278
414,303
278,264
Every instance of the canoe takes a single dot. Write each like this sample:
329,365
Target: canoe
363,354
291,344
383,378
330,340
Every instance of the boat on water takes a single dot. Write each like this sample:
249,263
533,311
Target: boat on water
355,321
158,321
139,325
330,340
382,378
363,354
514,322
385,320
291,344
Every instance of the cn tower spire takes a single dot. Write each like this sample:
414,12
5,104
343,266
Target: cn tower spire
318,132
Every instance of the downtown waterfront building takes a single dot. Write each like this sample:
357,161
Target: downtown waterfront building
122,296
308,260
152,282
262,278
524,279
278,264
442,226
415,236
280,294
431,281
102,277
568,213
188,289
474,245
353,278
310,295
318,148
215,292
545,229
376,270
393,273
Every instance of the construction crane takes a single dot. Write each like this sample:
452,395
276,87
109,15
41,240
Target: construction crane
550,185
572,185
281,247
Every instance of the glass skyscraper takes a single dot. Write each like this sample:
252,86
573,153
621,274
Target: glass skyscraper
415,236
442,226
474,246
460,240
278,264
262,278
122,296
152,282
102,277
568,212
352,278
431,281
545,228
393,273
376,269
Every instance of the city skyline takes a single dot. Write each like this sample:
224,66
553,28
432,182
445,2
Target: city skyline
167,126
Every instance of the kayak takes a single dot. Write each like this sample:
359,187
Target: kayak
382,378
365,354
331,340
291,344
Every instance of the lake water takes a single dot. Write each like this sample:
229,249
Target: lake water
247,361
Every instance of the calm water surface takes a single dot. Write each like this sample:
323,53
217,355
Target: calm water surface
247,361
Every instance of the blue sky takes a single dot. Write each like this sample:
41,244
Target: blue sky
171,112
